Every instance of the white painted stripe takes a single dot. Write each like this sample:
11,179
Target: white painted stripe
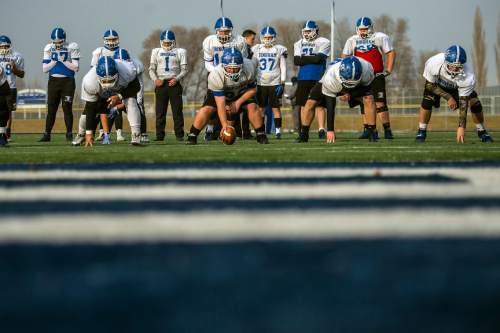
371,224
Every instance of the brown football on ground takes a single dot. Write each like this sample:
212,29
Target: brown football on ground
228,137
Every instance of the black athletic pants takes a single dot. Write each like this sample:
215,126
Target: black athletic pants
4,105
60,89
164,94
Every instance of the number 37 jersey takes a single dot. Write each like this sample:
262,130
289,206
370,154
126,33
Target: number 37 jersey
166,65
271,64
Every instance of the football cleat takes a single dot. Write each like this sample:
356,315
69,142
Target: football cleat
485,137
388,134
421,135
208,136
100,136
303,138
193,139
79,139
364,134
119,136
106,139
262,139
3,140
45,138
322,134
278,136
144,138
136,139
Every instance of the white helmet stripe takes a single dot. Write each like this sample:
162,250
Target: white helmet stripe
223,22
458,53
106,65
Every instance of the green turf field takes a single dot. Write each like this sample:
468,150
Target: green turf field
439,147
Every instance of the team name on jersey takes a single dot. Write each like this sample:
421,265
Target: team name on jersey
8,59
447,84
268,55
168,54
365,45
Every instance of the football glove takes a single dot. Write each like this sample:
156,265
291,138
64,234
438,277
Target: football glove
279,90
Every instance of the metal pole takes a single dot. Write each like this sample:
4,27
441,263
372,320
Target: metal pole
332,31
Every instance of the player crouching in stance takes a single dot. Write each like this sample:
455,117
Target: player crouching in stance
105,86
449,76
350,80
231,85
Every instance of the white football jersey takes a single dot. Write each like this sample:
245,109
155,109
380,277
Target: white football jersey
69,52
213,49
5,61
101,52
332,84
166,65
271,64
232,90
378,40
435,72
305,48
92,90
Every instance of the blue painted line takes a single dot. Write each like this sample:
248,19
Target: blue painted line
32,207
420,179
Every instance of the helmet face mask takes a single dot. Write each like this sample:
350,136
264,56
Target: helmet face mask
232,63
454,69
268,37
111,43
4,49
108,82
167,45
107,73
224,35
309,34
58,44
232,71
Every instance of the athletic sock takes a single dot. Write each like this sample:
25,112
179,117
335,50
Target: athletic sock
480,127
196,131
422,126
210,128
277,125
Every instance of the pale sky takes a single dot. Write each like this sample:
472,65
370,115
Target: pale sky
434,24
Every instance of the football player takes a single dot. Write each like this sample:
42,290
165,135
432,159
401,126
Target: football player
449,76
213,47
13,65
372,46
310,54
271,74
231,85
111,43
168,66
4,108
349,79
107,85
61,60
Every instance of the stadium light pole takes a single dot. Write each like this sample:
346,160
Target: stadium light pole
222,8
332,31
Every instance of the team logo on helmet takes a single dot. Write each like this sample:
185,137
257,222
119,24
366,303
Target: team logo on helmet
364,27
107,72
121,54
310,31
224,30
111,39
167,40
350,72
455,59
232,62
58,37
268,36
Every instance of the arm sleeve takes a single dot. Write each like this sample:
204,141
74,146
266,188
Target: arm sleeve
184,66
74,65
330,115
283,66
95,58
437,90
216,83
386,44
47,61
20,63
208,57
324,48
348,48
153,64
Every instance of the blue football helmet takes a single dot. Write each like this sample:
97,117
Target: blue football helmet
167,40
121,54
5,45
58,37
232,62
310,31
364,23
350,72
268,36
455,59
224,30
111,39
107,72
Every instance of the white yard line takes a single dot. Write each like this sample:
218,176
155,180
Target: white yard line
233,226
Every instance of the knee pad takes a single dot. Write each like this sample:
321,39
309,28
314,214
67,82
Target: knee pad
382,109
476,106
427,103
